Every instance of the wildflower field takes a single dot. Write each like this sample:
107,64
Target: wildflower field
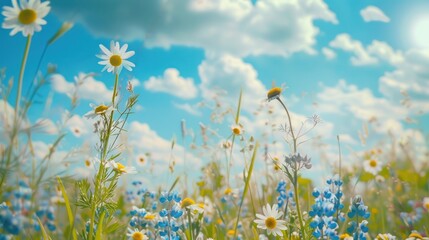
79,161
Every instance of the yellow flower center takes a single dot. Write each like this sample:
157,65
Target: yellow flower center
426,205
87,163
236,130
416,235
373,163
115,60
120,167
274,92
101,109
187,202
27,16
138,236
149,217
270,222
343,236
230,232
228,191
141,159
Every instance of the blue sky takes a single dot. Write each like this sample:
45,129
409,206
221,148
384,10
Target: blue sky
351,62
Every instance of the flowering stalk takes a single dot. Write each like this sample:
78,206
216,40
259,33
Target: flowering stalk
295,171
103,161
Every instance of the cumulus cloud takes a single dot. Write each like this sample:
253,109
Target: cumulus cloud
361,56
329,53
172,83
191,109
224,75
374,53
235,27
87,87
409,80
372,13
143,139
348,102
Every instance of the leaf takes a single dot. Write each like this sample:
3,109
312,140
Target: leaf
69,211
44,233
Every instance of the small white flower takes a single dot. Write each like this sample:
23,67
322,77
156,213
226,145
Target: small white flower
270,220
115,58
27,17
372,166
135,234
98,110
121,168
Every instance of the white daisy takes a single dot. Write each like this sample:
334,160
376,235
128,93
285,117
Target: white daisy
115,58
136,234
372,166
27,17
426,203
121,168
237,129
270,220
98,110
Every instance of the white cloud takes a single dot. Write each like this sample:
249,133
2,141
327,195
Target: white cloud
87,87
172,83
143,139
372,13
79,125
329,53
374,53
361,56
409,80
223,76
191,109
238,27
349,103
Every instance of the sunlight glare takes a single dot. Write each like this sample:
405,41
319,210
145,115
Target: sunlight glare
420,32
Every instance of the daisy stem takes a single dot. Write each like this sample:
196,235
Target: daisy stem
21,76
16,122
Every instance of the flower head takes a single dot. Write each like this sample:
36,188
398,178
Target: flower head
115,58
270,220
27,17
236,129
121,168
187,202
136,234
372,166
274,93
98,110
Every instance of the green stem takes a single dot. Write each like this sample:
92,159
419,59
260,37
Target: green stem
188,211
102,162
295,172
16,122
298,208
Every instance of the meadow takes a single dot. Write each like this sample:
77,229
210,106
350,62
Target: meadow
371,199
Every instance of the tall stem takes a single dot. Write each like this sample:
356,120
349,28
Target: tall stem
102,161
295,172
16,120
21,76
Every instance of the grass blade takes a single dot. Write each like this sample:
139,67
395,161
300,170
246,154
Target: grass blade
42,228
246,186
68,208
